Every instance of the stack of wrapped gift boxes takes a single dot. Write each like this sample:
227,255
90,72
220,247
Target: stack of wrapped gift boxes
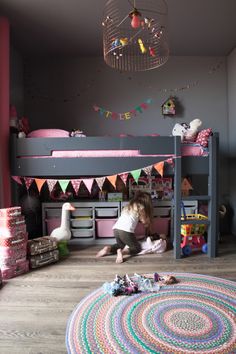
13,243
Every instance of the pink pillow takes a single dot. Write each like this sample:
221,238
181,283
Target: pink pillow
48,133
203,137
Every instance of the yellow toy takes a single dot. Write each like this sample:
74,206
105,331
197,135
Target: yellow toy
141,45
124,41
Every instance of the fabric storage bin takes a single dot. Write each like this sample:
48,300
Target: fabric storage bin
104,227
53,213
82,233
83,223
106,212
160,226
161,211
52,224
82,212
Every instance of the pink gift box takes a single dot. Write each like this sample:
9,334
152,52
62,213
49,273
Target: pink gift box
15,270
12,230
13,241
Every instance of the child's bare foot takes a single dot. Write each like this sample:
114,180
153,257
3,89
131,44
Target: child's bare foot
119,258
104,252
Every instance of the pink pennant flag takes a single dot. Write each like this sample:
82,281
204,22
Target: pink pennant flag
17,179
124,177
88,183
51,184
147,170
159,167
100,181
28,182
76,184
39,182
170,162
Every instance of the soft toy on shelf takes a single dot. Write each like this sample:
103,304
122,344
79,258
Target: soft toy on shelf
63,233
187,132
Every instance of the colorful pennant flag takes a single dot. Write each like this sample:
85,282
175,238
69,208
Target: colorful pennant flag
76,184
39,182
100,181
17,179
159,167
112,180
51,184
28,182
63,184
136,174
88,183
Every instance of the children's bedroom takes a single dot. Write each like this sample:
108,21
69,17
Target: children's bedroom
117,176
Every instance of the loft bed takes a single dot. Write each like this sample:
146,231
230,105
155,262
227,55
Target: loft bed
68,157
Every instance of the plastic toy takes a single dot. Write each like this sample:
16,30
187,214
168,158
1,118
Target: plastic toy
141,46
192,235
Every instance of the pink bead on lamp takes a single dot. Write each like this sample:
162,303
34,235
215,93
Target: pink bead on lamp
135,16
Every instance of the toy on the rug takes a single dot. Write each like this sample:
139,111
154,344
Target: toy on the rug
187,132
121,286
165,279
77,133
63,233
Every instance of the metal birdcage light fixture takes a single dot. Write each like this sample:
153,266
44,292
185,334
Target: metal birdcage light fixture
135,34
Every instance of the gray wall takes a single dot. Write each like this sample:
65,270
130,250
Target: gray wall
61,94
16,81
231,63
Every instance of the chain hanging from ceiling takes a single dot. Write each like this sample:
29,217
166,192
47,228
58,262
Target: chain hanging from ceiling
135,34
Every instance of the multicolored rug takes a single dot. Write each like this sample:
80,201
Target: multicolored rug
197,315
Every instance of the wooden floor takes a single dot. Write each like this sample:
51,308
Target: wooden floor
34,308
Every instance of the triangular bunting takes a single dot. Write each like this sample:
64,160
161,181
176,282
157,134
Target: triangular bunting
28,182
17,179
51,184
76,184
39,182
88,183
170,162
136,174
100,181
147,170
112,180
159,167
63,184
124,177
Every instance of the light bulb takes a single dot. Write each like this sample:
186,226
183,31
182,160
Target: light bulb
135,22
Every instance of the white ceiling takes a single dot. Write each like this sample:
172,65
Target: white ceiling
196,27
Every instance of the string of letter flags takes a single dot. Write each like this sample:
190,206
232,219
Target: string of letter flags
88,182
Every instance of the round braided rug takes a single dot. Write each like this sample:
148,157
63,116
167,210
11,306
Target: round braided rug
196,315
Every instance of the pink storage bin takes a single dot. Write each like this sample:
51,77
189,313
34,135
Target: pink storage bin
14,271
160,226
52,224
104,227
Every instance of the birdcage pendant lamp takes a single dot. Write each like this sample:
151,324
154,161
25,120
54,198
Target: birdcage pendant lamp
135,34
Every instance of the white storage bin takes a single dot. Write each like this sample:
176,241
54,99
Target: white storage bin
82,212
106,212
83,223
83,233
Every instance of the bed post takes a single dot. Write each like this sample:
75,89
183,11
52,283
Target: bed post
213,192
177,198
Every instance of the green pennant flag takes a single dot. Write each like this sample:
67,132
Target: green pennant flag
136,174
63,184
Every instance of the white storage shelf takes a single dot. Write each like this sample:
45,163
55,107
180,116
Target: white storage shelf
93,221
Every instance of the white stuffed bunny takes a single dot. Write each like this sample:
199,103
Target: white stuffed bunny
187,132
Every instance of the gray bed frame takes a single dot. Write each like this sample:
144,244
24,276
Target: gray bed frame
23,164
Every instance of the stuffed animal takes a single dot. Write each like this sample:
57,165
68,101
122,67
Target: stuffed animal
77,133
187,132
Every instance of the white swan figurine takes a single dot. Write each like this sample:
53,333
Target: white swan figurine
63,232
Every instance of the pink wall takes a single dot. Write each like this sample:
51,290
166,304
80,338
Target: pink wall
5,184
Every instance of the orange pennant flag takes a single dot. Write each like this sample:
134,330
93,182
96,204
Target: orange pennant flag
159,167
112,180
39,182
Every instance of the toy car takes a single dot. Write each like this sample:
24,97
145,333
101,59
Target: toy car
193,243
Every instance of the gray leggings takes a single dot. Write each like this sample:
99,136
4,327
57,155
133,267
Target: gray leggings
124,238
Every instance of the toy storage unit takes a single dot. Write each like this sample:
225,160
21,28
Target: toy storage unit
90,222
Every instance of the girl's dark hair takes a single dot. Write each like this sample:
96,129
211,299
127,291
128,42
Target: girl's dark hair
143,199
